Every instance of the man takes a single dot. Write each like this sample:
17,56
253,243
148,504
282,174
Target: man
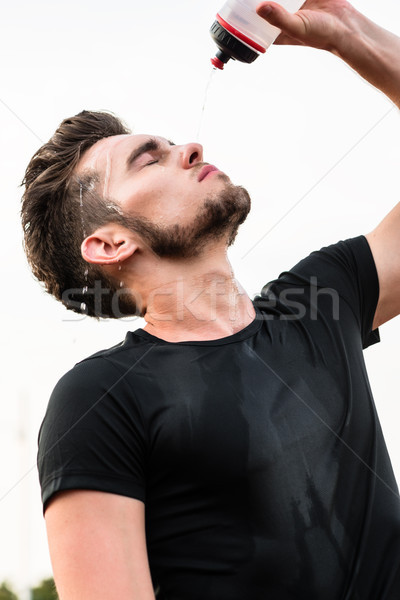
230,449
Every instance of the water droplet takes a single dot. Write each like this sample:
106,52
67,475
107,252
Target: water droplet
107,175
83,306
121,284
119,267
85,289
81,205
86,273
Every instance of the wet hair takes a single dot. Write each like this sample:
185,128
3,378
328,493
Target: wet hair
59,210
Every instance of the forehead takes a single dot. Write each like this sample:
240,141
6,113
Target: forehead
109,150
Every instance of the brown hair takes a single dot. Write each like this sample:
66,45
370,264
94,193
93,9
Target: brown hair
59,210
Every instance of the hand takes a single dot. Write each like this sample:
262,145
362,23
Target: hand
319,23
336,26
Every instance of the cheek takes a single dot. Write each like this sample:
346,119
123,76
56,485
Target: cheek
138,197
164,198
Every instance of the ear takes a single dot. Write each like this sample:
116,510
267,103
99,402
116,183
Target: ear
108,245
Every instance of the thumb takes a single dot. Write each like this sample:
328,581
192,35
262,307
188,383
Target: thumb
276,15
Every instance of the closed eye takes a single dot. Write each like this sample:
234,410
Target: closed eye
149,158
152,147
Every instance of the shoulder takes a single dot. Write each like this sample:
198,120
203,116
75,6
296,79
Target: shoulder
333,263
103,369
347,267
337,280
97,385
93,435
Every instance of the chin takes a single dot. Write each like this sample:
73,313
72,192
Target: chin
218,218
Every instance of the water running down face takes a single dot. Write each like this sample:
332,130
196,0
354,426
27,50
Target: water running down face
174,200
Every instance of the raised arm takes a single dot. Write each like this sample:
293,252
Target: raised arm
373,52
336,26
98,547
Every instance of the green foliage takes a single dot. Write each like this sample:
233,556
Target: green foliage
6,592
46,590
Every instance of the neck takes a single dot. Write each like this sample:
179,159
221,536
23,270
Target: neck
193,300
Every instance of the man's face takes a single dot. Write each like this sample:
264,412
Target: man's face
182,200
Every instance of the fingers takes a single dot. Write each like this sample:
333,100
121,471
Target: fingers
275,14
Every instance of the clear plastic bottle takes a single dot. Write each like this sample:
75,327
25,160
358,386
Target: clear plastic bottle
241,34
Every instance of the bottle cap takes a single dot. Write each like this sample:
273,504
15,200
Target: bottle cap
229,46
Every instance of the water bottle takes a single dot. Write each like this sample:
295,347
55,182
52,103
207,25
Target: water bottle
240,33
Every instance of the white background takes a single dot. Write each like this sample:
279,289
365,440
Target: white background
297,126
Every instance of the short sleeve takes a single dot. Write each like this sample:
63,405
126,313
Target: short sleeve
93,435
348,268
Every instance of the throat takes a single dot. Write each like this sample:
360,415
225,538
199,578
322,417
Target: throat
212,309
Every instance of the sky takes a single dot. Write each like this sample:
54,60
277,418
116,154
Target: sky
317,148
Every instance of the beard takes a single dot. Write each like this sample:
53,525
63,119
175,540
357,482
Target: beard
218,218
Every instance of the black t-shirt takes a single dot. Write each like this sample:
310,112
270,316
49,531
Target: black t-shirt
259,456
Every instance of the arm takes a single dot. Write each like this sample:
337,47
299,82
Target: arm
336,26
98,546
373,52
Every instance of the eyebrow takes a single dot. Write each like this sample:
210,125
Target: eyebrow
151,145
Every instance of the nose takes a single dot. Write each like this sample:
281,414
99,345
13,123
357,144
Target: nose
191,154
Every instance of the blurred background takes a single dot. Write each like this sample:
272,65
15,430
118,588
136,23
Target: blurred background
316,146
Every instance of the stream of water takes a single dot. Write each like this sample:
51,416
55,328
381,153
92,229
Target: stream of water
201,120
